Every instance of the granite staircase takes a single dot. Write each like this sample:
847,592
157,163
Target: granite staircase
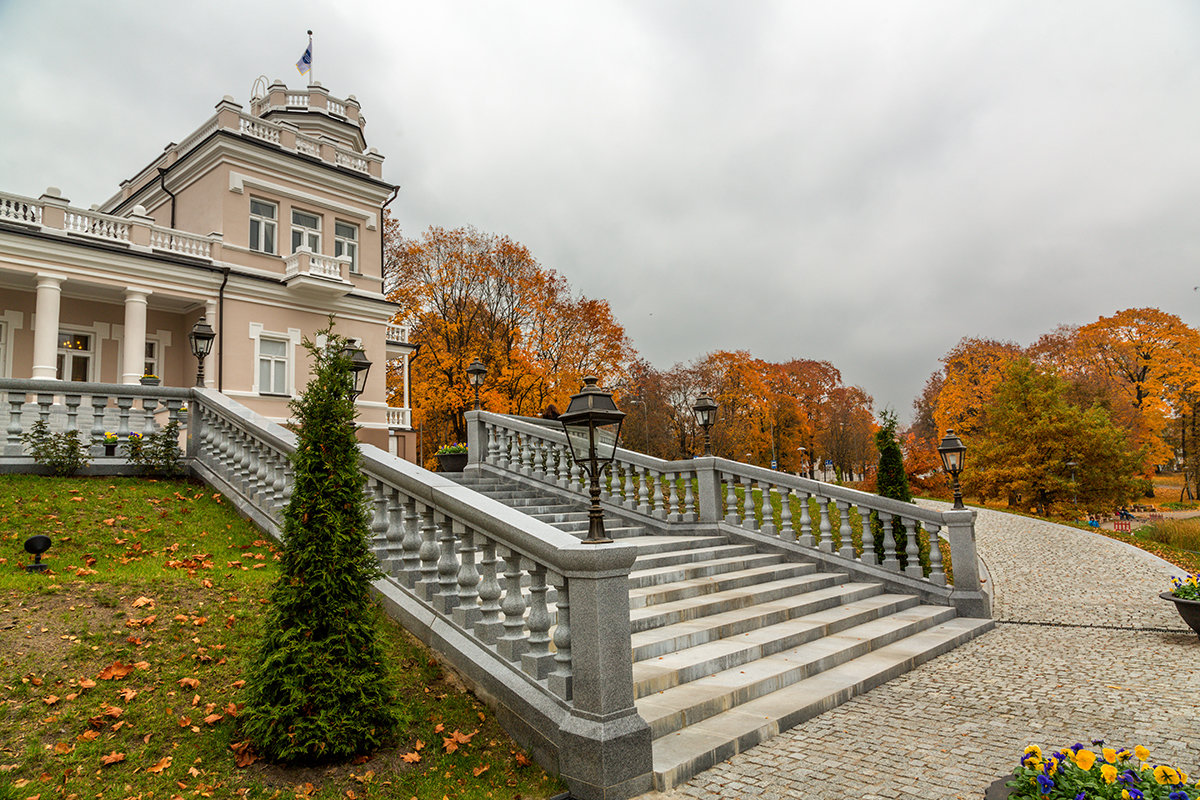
731,645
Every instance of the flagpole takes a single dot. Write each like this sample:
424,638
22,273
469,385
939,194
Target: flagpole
312,74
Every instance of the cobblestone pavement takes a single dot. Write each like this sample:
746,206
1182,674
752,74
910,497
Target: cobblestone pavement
953,725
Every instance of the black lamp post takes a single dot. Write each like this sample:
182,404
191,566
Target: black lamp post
476,374
201,339
593,424
360,365
705,409
953,453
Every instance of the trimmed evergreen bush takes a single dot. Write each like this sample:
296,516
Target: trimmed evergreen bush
319,689
64,452
891,481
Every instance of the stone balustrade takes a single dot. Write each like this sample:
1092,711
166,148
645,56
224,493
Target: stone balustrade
536,618
824,520
51,214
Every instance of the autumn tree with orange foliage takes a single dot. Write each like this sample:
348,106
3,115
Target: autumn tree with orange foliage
466,294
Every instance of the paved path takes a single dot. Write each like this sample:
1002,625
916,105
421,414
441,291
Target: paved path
953,725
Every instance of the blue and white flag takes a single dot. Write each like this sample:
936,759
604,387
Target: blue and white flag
305,62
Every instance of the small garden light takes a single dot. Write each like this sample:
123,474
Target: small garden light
35,546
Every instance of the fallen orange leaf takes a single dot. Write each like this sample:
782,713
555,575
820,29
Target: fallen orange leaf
114,671
162,764
480,770
112,758
62,748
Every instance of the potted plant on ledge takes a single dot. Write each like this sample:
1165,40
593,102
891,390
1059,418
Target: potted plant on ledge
150,380
1185,594
452,457
110,443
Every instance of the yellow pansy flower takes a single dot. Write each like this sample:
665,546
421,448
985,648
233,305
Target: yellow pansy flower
1084,759
1142,753
1033,748
1108,772
1110,755
1165,775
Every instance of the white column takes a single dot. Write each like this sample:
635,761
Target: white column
406,403
45,331
210,371
135,334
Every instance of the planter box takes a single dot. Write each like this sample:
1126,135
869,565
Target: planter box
452,462
1188,609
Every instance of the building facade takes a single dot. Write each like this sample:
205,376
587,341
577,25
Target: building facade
263,222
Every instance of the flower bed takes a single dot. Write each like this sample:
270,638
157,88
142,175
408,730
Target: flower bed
1080,773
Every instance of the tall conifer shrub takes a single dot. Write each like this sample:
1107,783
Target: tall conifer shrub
892,481
318,689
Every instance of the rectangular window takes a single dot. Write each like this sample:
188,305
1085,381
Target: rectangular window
150,363
272,366
345,243
306,231
262,226
74,356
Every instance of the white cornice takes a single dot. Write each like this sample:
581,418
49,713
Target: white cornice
238,181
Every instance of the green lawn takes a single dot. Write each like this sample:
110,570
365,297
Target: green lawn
122,664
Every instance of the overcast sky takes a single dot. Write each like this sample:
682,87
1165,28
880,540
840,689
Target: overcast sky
863,182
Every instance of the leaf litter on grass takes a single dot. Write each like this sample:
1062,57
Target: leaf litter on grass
128,653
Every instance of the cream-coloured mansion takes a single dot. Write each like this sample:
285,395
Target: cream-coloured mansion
261,222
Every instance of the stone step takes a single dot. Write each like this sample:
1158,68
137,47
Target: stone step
674,669
670,638
657,576
649,545
684,753
650,561
657,616
710,585
689,703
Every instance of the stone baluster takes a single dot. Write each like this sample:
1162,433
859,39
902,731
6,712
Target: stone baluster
643,490
656,494
564,466
123,406
868,537
768,509
393,531
493,444
501,459
379,517
410,544
559,679
427,582
537,448
806,538
511,644
174,411
266,480
731,512
149,406
528,449
246,467
446,597
749,519
576,474
280,484
630,493
537,658
44,402
466,611
785,514
16,400
890,561
689,498
826,543
488,627
99,403
72,401
673,512
912,553
937,575
845,532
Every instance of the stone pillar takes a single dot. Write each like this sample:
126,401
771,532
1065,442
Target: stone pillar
135,334
708,485
210,372
476,439
966,596
45,332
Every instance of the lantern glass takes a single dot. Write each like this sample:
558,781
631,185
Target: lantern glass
360,365
201,339
705,410
476,373
953,453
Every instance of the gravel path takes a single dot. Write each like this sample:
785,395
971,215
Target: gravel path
1083,649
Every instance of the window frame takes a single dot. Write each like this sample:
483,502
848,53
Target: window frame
309,236
62,354
276,361
343,243
264,224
